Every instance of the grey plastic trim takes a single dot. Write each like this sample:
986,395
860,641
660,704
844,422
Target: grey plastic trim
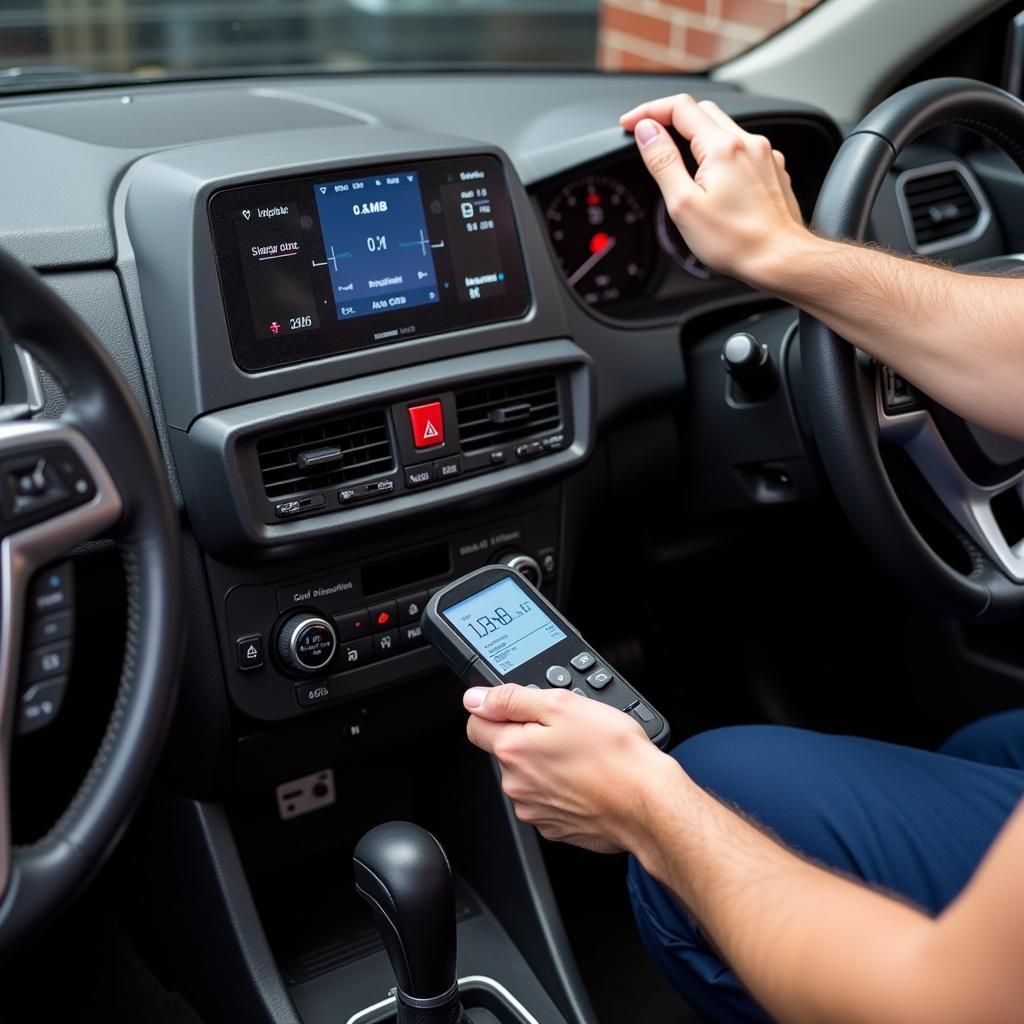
474,980
21,554
219,471
33,389
969,503
981,225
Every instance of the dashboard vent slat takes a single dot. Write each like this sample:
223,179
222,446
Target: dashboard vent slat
506,411
942,208
362,438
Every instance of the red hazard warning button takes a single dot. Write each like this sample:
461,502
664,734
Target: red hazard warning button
427,424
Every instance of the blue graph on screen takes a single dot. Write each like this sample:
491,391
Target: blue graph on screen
376,245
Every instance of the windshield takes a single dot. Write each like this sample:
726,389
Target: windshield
67,40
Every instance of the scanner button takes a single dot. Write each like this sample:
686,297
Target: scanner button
643,712
558,676
583,661
600,679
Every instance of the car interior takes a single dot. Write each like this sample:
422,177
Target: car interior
291,341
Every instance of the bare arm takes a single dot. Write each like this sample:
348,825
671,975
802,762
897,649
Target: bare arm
956,336
811,946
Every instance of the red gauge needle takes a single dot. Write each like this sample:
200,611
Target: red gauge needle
593,260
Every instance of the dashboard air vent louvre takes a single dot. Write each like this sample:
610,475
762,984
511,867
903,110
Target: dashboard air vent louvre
362,443
505,411
941,207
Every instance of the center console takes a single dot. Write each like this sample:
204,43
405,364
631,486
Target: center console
369,389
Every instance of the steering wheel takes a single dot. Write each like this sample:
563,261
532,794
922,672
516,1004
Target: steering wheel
94,471
856,403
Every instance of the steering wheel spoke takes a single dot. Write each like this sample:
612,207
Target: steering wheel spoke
911,426
55,493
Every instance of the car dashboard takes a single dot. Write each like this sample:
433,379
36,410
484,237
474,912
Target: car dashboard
391,328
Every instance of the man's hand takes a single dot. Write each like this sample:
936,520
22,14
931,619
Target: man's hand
738,212
575,768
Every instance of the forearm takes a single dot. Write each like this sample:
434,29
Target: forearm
956,336
810,946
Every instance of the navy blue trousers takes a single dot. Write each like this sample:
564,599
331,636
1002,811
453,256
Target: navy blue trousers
908,821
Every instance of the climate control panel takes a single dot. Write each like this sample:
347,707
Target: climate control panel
294,645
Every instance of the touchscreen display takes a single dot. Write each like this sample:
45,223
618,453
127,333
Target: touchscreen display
321,265
505,625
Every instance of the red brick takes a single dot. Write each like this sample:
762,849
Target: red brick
700,6
641,26
698,43
764,14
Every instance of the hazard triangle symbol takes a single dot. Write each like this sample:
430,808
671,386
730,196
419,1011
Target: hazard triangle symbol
429,430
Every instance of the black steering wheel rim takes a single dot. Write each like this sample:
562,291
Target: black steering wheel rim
841,390
105,427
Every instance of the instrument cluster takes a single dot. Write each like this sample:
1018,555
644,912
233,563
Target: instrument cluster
616,244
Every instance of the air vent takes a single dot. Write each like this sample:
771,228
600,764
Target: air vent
507,411
323,455
942,207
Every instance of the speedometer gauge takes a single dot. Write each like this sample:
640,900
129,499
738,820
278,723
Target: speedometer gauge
672,242
601,236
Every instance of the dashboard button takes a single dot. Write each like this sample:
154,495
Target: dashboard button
362,492
352,625
529,450
249,652
410,607
384,616
411,636
355,654
558,676
417,476
600,679
385,644
308,694
498,458
427,424
448,469
287,509
583,661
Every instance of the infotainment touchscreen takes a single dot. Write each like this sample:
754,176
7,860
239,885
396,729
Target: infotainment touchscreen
315,266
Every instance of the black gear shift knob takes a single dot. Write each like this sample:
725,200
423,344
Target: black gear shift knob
403,873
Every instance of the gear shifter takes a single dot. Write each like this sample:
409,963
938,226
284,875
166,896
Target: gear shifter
403,873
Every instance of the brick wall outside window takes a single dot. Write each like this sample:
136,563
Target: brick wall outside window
686,35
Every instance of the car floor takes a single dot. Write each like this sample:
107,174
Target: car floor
623,984
102,977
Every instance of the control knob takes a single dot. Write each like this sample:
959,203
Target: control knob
750,366
306,642
526,566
